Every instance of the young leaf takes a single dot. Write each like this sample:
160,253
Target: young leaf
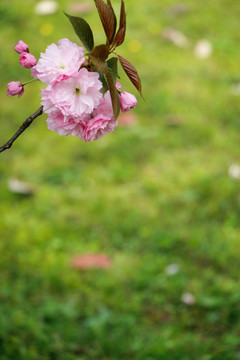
131,73
120,36
108,18
99,64
114,94
83,31
100,52
113,67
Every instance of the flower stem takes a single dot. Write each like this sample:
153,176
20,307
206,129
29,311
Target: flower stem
28,82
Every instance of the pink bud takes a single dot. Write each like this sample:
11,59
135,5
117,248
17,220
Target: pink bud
118,85
127,101
15,88
21,47
27,60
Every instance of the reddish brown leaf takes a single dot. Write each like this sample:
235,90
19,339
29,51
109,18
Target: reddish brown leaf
100,52
120,36
114,20
99,64
131,73
108,18
113,94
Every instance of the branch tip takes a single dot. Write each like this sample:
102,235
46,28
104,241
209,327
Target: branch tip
22,128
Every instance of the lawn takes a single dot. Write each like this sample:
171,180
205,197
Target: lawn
156,193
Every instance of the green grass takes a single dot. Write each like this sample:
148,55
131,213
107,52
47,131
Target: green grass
149,196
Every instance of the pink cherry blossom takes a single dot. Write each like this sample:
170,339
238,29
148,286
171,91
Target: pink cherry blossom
34,72
105,106
27,60
15,88
21,47
99,126
127,101
48,105
67,125
75,96
59,62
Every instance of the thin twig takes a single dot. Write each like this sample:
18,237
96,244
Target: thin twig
22,128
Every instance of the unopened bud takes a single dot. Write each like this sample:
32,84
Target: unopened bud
21,47
127,101
118,85
27,60
15,88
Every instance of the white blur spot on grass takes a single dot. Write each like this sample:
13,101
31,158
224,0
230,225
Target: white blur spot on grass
188,299
172,269
234,171
176,37
19,187
203,49
46,7
235,89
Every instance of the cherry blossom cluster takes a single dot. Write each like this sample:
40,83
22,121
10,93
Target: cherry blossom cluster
73,99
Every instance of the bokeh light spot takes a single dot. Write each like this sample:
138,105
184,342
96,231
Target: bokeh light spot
46,29
134,46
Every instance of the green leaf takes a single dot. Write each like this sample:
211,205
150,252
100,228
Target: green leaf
114,94
103,81
83,31
113,67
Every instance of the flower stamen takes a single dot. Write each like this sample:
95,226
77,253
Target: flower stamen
77,91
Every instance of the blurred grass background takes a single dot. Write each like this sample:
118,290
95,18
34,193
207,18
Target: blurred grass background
154,194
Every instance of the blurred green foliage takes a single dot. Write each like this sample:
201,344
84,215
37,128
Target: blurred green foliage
149,196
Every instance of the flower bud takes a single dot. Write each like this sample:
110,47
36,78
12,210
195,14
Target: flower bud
27,60
15,88
118,85
21,47
127,101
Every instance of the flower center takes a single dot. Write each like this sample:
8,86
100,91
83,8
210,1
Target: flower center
77,91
